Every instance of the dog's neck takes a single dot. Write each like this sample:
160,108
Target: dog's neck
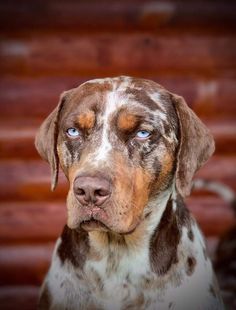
105,241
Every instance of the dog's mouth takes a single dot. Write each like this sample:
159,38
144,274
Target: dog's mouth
92,225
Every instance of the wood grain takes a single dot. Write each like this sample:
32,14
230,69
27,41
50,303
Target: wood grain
21,296
24,264
118,15
34,222
106,53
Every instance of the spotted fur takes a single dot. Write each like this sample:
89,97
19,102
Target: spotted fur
141,249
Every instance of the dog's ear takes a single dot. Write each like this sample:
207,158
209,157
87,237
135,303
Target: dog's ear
196,145
46,140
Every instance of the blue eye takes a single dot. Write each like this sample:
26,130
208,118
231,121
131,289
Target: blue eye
73,132
143,134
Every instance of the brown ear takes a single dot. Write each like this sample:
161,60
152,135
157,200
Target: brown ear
46,140
196,145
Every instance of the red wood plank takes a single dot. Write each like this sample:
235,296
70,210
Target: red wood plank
33,222
19,297
29,180
24,264
118,15
111,54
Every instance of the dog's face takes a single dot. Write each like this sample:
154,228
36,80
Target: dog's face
121,142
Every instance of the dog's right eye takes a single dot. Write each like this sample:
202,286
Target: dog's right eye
73,132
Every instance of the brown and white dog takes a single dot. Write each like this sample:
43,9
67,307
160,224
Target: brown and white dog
129,149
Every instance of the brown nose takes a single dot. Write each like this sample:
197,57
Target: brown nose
92,190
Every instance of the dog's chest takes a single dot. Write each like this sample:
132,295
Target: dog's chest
128,282
118,281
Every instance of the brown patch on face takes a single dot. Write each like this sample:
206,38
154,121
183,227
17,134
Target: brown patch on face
86,120
164,242
130,195
164,172
126,121
191,263
45,298
74,247
141,187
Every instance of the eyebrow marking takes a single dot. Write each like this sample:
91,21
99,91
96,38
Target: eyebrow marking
126,121
86,120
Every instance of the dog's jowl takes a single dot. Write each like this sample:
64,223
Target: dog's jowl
129,149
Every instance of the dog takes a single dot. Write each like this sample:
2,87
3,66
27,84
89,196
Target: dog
129,149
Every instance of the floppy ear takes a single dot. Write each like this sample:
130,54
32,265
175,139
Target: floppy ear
196,145
46,140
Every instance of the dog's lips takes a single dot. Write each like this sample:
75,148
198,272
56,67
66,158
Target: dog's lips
94,219
93,224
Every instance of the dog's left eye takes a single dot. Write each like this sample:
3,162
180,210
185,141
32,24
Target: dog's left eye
143,134
73,132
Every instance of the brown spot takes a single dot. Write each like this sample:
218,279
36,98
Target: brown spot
183,214
74,246
86,120
191,263
190,234
126,121
44,299
164,242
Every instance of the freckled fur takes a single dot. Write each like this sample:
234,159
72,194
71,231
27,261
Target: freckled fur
151,255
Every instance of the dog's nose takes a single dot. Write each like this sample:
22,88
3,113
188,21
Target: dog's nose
92,190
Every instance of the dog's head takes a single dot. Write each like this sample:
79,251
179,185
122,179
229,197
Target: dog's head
121,142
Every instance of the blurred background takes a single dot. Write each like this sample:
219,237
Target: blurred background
47,47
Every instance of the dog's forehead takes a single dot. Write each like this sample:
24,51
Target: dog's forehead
101,101
109,95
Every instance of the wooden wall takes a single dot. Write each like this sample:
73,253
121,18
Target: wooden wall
50,46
